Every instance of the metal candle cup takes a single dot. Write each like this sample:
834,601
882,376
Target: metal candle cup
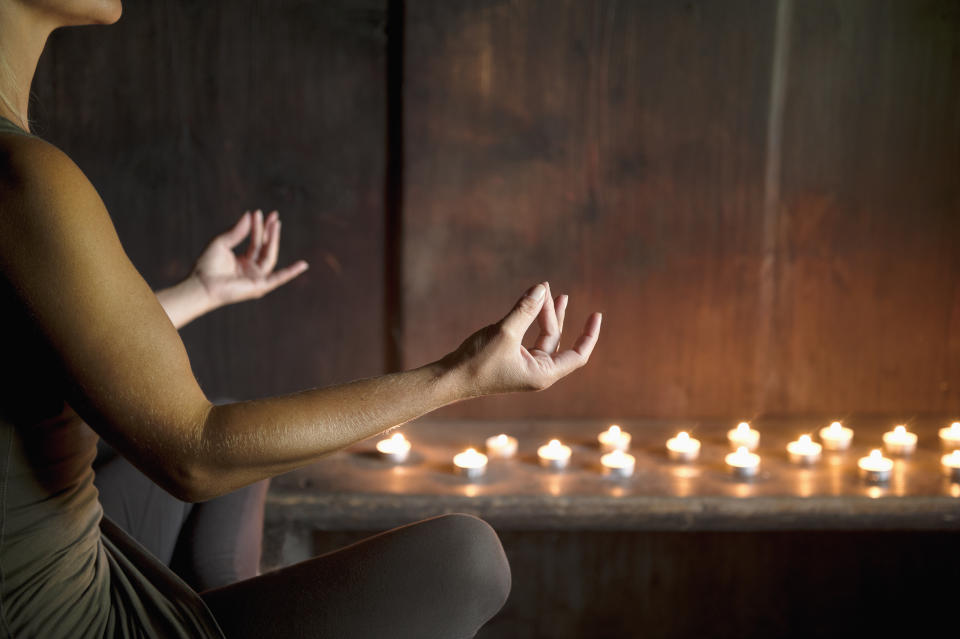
743,464
900,441
950,436
618,464
683,448
875,468
614,439
836,436
744,436
554,455
951,466
501,446
395,448
470,464
804,451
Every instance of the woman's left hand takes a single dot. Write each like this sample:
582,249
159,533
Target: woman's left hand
228,277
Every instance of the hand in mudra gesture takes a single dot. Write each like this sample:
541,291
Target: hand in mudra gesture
228,277
495,360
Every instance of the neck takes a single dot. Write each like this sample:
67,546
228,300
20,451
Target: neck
23,35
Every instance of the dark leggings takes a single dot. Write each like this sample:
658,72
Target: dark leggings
210,544
442,577
439,578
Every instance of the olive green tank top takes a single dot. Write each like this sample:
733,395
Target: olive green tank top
65,570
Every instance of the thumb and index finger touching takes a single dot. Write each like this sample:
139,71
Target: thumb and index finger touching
532,306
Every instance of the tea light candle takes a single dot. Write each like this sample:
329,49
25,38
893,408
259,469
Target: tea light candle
804,450
836,436
875,468
743,463
618,464
395,448
470,463
554,455
614,439
501,446
744,436
951,466
900,441
683,448
950,436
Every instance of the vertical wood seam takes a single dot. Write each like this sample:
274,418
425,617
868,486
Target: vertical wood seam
763,384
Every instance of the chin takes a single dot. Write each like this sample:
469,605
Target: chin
71,13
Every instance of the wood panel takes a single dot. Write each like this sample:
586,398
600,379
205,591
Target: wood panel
614,148
760,197
867,315
184,114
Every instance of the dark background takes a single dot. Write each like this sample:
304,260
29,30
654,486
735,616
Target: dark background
766,209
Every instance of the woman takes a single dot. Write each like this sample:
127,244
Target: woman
86,340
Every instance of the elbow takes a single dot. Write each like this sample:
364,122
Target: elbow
190,483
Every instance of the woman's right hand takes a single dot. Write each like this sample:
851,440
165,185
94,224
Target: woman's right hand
493,360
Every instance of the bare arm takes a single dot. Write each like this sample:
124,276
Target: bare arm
131,379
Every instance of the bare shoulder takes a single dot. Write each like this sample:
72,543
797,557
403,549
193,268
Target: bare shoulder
45,196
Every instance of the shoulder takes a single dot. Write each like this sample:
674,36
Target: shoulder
44,196
33,170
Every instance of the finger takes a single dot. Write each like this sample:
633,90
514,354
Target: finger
284,275
256,235
549,328
524,312
560,304
568,361
271,245
239,231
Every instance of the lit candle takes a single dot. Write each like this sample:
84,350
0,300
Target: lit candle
744,436
900,441
951,465
618,464
950,436
743,463
614,439
470,463
836,436
554,455
501,446
875,468
804,450
396,448
683,448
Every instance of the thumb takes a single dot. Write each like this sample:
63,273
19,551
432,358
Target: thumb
239,231
524,312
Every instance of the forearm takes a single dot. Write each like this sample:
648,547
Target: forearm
185,302
248,441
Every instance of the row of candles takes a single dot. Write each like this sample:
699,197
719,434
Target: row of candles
743,462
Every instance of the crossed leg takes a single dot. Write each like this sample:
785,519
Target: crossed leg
439,578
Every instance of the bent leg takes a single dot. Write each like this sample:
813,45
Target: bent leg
440,578
221,540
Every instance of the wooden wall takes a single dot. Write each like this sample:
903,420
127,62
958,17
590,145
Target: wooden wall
761,197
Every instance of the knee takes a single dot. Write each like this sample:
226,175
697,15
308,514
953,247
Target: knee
476,556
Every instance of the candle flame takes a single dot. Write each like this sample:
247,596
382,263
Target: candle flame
614,430
554,443
472,452
743,427
900,430
955,427
501,439
683,436
876,454
397,437
742,451
805,440
836,427
956,456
